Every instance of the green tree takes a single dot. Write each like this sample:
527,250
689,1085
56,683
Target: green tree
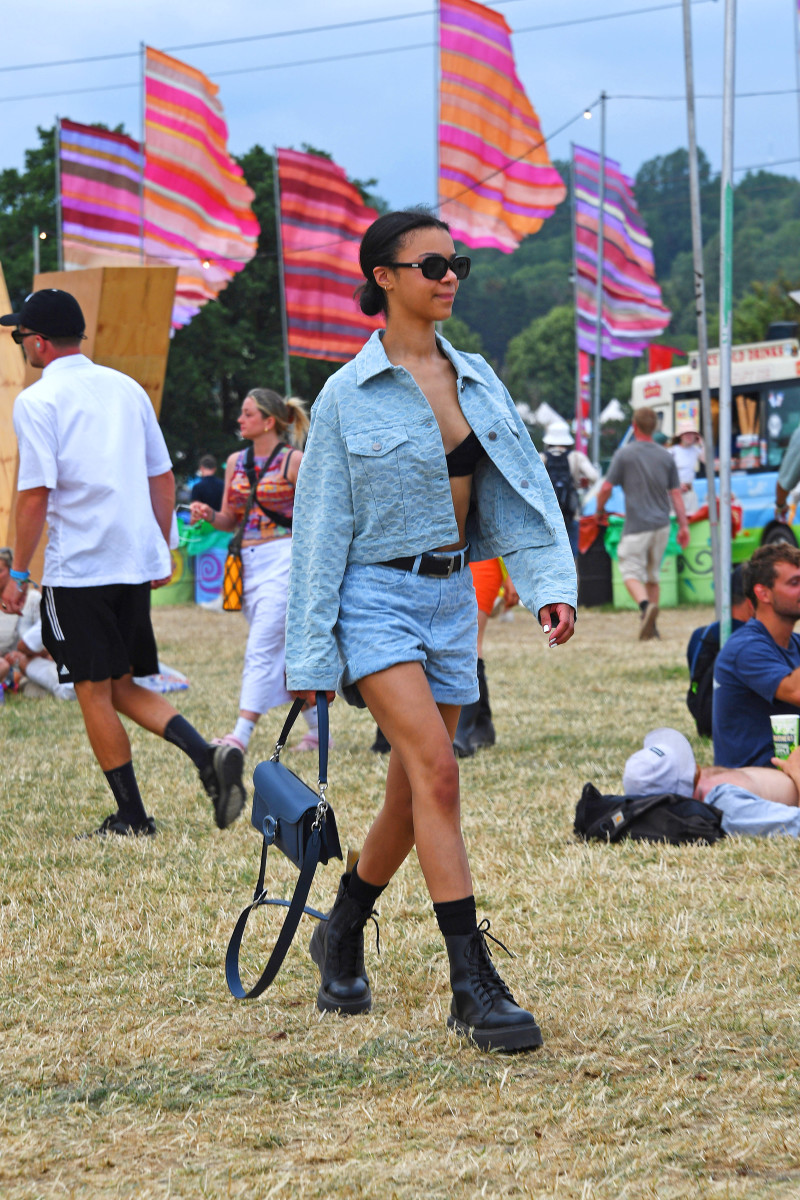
27,198
459,335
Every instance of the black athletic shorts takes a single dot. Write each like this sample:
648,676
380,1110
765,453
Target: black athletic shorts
99,632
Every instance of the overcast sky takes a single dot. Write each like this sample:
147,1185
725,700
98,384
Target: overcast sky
375,113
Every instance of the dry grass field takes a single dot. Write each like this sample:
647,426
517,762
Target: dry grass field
665,979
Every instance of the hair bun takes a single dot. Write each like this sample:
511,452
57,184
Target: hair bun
371,299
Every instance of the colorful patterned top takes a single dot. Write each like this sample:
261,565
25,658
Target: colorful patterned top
275,491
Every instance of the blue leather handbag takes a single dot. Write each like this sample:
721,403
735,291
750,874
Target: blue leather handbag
301,824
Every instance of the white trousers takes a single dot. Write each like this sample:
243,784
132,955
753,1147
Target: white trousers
266,585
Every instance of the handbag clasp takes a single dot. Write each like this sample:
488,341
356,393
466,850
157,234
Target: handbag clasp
269,828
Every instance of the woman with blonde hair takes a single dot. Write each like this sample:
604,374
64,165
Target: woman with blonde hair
267,470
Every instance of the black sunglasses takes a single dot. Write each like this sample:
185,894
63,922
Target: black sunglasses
436,266
19,338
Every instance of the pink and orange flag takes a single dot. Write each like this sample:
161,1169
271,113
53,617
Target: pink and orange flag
496,181
322,221
197,205
100,175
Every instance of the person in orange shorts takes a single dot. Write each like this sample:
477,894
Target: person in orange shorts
475,727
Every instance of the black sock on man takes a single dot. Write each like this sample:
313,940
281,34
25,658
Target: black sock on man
364,894
186,738
643,605
457,918
125,789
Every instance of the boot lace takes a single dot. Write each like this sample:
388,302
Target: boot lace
350,947
486,973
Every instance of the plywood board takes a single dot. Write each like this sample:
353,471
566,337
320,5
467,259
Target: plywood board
128,313
12,378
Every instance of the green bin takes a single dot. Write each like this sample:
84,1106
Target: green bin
668,581
696,566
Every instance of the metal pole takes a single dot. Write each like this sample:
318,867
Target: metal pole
579,440
59,216
726,316
700,306
598,355
287,375
796,4
142,144
35,253
437,92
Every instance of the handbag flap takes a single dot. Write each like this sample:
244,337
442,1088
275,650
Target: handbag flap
279,794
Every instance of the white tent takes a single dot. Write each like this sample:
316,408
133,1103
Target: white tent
544,415
612,412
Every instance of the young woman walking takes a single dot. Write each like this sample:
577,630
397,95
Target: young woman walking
416,458
274,427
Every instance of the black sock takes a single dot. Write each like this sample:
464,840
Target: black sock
456,917
364,894
122,782
643,605
186,738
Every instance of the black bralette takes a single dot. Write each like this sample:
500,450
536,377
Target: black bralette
463,459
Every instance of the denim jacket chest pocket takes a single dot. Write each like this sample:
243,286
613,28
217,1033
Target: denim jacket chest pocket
512,507
377,481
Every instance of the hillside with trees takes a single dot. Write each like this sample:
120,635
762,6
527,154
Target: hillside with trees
517,309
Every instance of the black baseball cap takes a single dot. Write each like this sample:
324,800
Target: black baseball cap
51,312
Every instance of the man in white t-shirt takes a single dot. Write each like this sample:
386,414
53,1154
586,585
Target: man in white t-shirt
94,464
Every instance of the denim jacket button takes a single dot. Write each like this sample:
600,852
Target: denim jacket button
376,445
523,483
492,436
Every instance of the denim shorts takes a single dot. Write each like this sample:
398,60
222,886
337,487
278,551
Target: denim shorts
387,616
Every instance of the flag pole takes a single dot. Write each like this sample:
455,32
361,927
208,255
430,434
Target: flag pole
726,316
797,56
598,355
142,144
287,375
437,101
579,441
706,423
59,211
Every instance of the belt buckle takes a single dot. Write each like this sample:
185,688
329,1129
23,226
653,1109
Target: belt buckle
450,567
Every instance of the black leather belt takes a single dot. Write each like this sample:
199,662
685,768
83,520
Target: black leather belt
442,566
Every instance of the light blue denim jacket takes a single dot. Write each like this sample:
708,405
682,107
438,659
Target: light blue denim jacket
373,485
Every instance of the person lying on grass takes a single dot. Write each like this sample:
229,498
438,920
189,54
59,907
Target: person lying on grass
758,801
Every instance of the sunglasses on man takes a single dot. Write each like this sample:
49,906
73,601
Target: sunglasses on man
436,266
19,338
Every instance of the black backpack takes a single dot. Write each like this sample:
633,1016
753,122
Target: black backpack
663,818
557,467
700,696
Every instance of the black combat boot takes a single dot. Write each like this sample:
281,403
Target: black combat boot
483,1008
337,947
462,744
482,732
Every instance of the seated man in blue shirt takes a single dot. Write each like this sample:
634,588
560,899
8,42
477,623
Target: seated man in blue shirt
702,651
757,672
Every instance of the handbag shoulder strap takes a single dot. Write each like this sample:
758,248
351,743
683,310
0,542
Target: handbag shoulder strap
235,544
297,906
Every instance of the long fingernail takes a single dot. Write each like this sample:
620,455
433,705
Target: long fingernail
545,628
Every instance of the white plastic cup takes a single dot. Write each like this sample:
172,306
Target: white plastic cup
784,733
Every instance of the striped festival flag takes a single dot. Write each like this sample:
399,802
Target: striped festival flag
496,182
197,206
322,220
100,175
633,314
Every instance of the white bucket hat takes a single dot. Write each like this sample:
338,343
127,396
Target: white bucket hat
558,434
666,764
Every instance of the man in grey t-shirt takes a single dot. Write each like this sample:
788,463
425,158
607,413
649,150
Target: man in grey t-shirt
648,477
